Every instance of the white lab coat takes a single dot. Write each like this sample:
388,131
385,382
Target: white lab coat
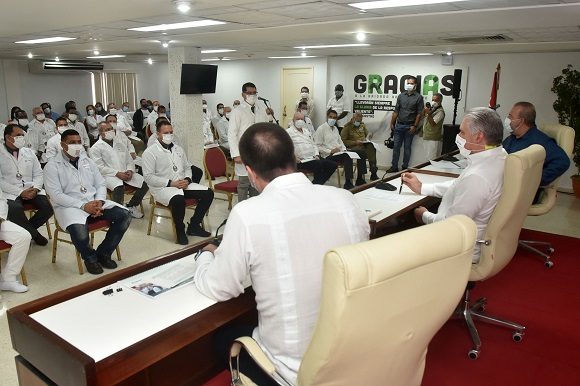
27,164
79,127
38,135
53,147
113,159
92,122
63,185
158,171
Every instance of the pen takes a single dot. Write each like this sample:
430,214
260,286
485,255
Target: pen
401,187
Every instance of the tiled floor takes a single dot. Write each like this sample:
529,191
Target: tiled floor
45,278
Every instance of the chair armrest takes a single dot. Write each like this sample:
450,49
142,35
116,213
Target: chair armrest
257,355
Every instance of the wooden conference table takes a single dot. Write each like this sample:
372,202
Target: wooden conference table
79,336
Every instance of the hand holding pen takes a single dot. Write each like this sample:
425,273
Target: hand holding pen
412,182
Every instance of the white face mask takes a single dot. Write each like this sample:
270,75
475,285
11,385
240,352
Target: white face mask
155,107
109,135
167,139
299,124
23,122
251,99
91,112
113,111
114,125
331,122
221,111
356,123
163,115
409,86
304,95
72,117
236,106
40,117
228,115
434,105
74,149
47,110
19,142
204,107
460,142
61,129
507,125
126,109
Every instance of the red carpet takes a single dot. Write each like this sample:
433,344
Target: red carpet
545,300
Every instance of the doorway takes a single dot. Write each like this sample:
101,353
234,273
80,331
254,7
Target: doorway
293,79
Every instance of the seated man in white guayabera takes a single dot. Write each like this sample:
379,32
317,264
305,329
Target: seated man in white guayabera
78,194
118,168
168,174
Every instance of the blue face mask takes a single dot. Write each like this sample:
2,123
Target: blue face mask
357,123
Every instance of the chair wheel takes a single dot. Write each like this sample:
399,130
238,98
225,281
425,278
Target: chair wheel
550,250
517,336
473,354
549,264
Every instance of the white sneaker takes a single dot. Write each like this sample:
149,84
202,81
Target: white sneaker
13,286
135,212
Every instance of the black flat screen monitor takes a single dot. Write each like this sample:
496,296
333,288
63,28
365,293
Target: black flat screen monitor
198,79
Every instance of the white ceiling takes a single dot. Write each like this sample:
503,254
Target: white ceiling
259,29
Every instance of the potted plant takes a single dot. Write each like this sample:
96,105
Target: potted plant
567,106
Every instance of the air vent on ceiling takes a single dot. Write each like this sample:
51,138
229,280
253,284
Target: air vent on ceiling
41,66
480,39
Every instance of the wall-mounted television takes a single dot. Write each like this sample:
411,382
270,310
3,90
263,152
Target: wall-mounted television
198,79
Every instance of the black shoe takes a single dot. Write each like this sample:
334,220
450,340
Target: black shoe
374,177
197,230
93,267
360,181
348,185
392,170
107,262
40,240
182,238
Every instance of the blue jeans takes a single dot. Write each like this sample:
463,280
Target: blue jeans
402,136
79,234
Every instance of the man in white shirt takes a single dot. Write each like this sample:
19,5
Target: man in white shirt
19,238
76,125
341,105
53,144
41,129
21,180
124,112
476,191
265,239
122,134
249,112
307,154
168,174
153,115
307,100
303,108
221,126
78,195
118,168
329,143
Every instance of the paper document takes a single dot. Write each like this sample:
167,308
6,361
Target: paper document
383,195
351,154
164,278
196,186
307,160
210,145
461,164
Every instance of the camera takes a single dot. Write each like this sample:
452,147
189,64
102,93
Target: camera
390,143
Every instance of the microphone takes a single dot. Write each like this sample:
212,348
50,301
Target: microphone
263,99
216,240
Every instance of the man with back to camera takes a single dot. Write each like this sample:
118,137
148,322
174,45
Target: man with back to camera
476,191
264,237
78,195
404,123
341,105
249,112
521,122
432,131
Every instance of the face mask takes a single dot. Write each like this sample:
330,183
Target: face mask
228,115
155,107
409,87
167,139
204,107
40,117
304,95
23,122
163,115
357,123
125,108
251,99
113,111
338,94
72,117
331,122
507,125
221,111
61,129
460,142
46,110
299,124
109,135
91,112
434,105
304,112
74,149
114,125
19,142
236,106
99,108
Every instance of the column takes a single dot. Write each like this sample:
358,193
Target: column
186,110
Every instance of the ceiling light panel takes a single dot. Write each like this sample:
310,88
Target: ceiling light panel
188,24
334,46
45,40
369,5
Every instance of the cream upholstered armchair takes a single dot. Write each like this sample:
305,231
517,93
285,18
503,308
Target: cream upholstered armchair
382,302
564,137
523,170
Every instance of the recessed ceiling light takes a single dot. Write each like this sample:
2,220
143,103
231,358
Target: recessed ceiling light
44,40
57,59
449,53
165,44
336,45
105,56
216,51
411,54
187,24
96,52
183,6
30,55
291,57
303,53
361,36
398,3
149,60
215,59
